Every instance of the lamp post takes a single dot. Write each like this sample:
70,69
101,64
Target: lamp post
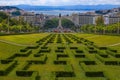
20,20
8,31
95,24
118,30
95,29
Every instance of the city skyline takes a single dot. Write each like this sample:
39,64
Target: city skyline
58,2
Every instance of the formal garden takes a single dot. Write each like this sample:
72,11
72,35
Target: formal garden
87,55
59,56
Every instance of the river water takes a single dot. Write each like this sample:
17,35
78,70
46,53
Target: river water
63,12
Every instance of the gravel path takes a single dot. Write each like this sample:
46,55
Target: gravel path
12,43
114,44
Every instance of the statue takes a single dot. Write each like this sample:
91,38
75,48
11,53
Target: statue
60,15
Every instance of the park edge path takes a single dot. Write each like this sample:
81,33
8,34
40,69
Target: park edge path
106,45
114,44
16,44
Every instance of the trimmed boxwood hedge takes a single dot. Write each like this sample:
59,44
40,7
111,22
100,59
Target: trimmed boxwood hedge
90,62
79,51
44,47
44,50
62,55
79,56
24,73
12,57
7,61
103,55
25,54
73,47
60,62
33,47
61,47
8,68
93,51
59,50
113,53
111,63
38,55
64,74
95,74
23,50
103,48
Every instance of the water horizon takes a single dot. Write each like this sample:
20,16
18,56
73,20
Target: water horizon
57,12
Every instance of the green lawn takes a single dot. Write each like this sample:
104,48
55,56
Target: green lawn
63,54
102,40
24,39
7,50
10,49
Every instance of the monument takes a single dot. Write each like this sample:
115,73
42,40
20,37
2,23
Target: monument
59,28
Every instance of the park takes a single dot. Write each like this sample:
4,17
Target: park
59,56
83,46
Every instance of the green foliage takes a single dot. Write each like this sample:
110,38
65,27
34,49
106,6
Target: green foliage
100,20
67,23
16,13
51,23
3,16
15,26
102,29
87,28
23,39
67,65
7,50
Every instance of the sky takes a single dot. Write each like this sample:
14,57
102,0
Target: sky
58,2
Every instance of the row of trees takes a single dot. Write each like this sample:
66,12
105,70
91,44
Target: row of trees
101,28
8,25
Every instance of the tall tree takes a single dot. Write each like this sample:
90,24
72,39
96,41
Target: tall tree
67,23
53,23
99,22
118,27
3,16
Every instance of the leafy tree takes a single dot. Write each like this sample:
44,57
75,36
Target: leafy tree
67,23
3,16
16,13
100,20
100,23
13,25
53,23
1,27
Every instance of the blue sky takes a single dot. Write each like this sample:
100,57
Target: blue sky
59,2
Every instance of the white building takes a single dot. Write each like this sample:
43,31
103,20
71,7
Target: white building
87,19
111,18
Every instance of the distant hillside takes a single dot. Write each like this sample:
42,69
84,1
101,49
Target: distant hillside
74,7
8,8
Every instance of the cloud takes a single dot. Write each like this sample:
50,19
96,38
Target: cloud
58,2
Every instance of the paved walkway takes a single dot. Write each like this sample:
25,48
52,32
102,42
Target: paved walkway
16,44
12,43
93,36
114,44
106,45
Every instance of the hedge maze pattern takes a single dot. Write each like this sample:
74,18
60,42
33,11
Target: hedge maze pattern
62,57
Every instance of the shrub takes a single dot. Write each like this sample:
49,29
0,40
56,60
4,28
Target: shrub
60,62
65,74
79,56
94,74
